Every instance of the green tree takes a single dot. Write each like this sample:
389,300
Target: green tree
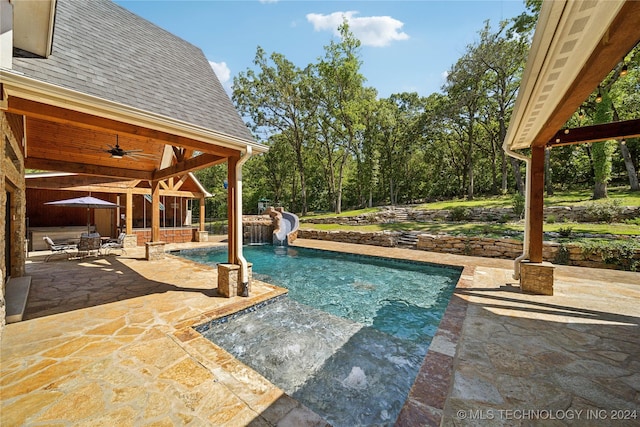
340,98
276,100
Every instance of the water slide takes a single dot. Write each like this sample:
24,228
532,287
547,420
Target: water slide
285,224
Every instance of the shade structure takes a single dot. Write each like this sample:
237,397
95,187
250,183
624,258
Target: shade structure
87,202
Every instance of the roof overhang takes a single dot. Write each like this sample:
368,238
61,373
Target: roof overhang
122,118
576,44
67,131
33,25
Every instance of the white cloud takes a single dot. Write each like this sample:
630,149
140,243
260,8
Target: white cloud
377,31
268,1
222,71
224,75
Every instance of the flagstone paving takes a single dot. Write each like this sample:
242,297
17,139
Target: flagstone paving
108,341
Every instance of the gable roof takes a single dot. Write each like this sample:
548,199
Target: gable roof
103,50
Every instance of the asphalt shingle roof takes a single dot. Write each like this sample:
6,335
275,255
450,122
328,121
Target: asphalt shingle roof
102,49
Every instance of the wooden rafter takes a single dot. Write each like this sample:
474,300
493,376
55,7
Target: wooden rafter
62,166
595,133
194,163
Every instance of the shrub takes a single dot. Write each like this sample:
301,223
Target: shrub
551,219
605,211
618,253
519,205
565,231
459,213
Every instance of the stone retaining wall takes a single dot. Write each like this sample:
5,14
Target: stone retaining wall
558,213
569,254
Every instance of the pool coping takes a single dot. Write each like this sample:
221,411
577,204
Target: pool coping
427,397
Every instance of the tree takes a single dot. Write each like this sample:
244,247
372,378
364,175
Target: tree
276,100
340,98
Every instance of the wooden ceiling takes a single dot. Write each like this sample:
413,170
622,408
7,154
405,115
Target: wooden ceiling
63,140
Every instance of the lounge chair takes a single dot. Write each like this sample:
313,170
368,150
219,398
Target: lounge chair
114,244
56,248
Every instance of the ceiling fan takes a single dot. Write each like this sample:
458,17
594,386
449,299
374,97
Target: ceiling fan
118,152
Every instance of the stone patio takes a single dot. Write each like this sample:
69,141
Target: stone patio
108,341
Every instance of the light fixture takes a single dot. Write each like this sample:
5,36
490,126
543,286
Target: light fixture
599,96
581,114
566,131
624,71
623,141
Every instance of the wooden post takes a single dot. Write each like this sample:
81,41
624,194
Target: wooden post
231,209
202,213
536,201
155,211
129,212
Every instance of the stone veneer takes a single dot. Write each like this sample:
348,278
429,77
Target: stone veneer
12,182
465,245
154,251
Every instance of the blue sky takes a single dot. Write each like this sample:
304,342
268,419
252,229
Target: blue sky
408,45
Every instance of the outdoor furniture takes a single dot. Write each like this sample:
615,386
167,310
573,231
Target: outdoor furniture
114,244
58,248
89,243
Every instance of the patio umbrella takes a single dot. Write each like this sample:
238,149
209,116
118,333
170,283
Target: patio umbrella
88,202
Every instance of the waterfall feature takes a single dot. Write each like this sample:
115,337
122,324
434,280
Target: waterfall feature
275,227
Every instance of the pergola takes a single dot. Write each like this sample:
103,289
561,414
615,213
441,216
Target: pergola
70,94
575,46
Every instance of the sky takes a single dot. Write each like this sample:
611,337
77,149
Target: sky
407,45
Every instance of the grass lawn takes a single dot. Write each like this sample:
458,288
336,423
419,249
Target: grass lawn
561,198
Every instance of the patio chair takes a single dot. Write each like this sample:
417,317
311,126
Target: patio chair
56,248
114,244
89,243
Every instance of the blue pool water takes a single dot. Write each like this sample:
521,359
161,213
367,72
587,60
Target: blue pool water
351,335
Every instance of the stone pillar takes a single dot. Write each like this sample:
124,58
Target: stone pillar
228,280
200,236
536,277
130,241
229,284
154,250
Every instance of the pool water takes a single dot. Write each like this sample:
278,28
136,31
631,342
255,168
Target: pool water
350,337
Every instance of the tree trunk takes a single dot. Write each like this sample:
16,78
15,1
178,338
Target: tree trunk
600,190
631,170
515,165
548,182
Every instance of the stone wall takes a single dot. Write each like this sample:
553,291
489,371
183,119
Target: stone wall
382,238
11,182
569,254
557,213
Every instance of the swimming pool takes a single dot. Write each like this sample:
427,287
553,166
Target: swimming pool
351,335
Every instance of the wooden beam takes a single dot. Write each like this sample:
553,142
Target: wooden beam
622,36
595,133
62,166
155,211
536,204
89,121
194,163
